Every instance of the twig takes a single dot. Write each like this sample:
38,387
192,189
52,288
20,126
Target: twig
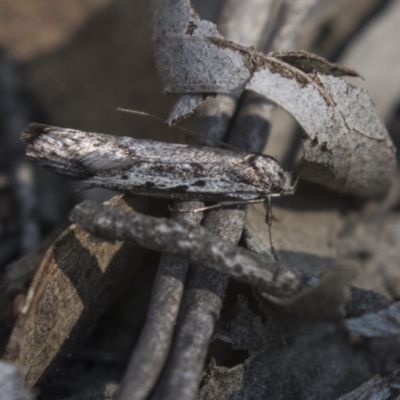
154,342
193,242
200,310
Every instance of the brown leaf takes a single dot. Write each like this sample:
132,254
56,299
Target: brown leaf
76,280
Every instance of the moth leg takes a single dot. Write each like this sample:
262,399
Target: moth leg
222,204
268,220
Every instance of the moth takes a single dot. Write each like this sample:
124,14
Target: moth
157,169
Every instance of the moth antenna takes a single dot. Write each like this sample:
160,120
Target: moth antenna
268,220
143,114
83,189
155,118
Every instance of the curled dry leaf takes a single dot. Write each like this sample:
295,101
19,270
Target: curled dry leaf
76,280
346,146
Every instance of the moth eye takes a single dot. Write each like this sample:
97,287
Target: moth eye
280,174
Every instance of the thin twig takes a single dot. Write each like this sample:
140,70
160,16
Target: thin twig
200,310
193,242
154,342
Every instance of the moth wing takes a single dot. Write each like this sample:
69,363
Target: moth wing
96,162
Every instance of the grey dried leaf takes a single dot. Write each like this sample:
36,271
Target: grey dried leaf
177,26
76,280
346,147
377,389
384,323
242,22
12,386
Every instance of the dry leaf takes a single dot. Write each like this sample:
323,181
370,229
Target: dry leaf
76,280
346,146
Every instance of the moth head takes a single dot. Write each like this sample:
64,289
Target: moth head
274,179
286,183
289,185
